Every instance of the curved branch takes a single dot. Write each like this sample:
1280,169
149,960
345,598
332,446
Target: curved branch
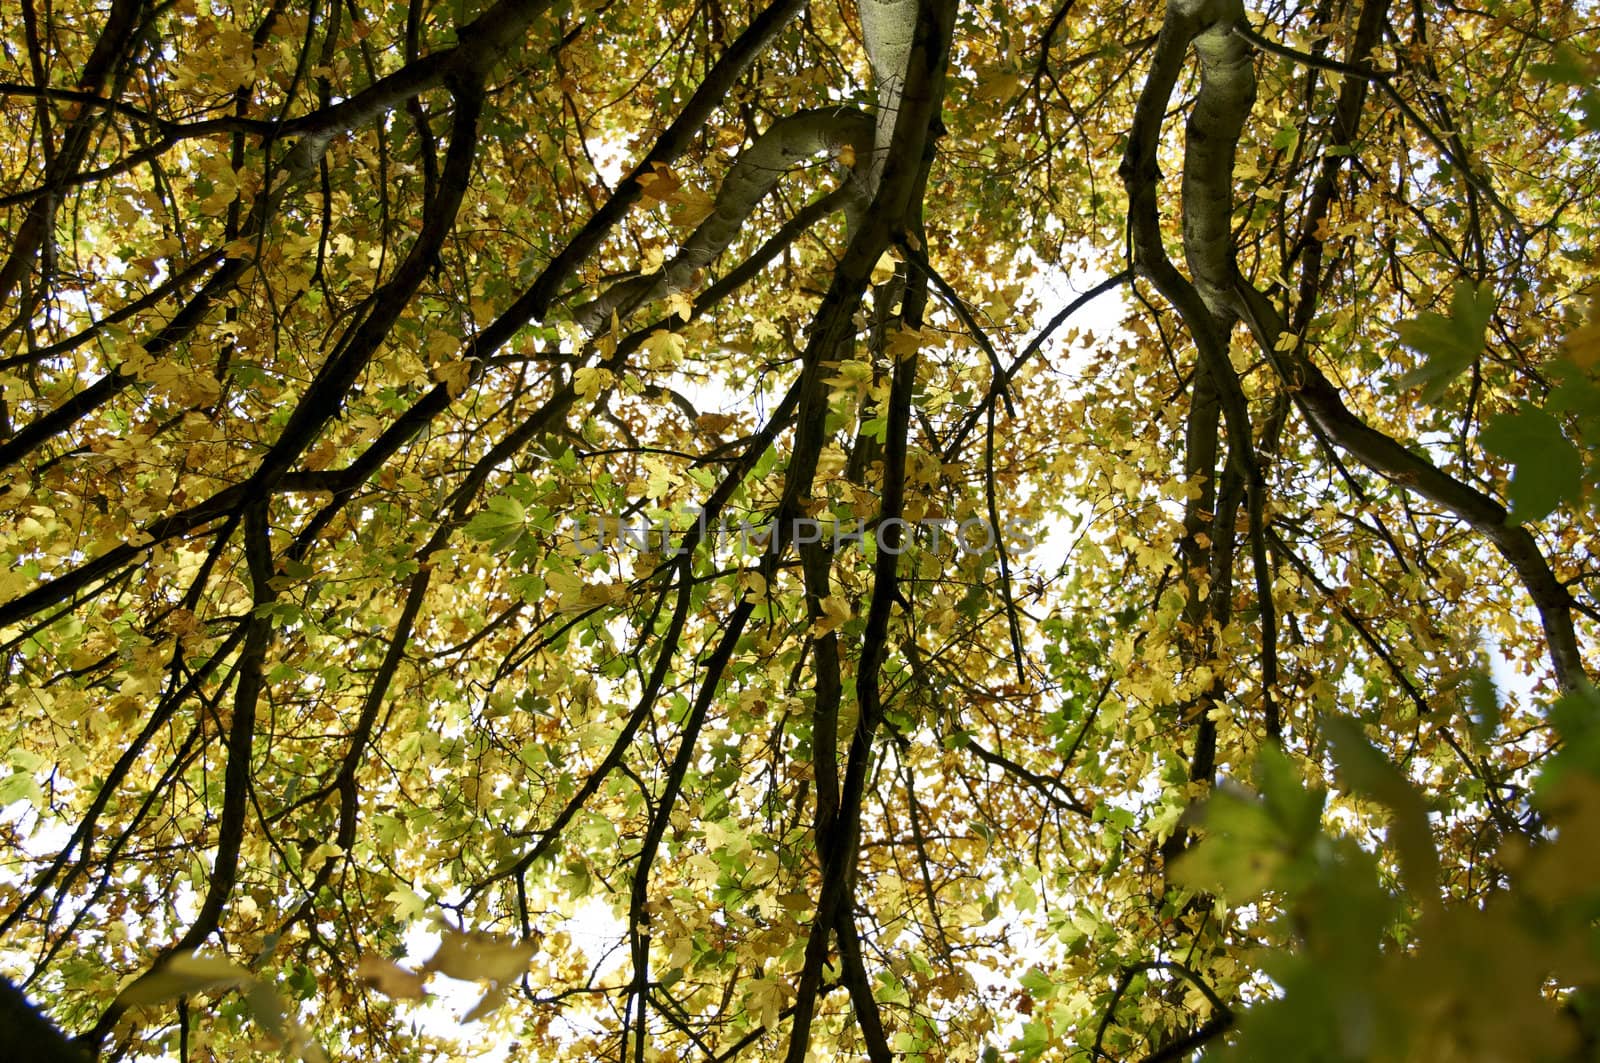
1211,138
251,669
1323,405
785,144
535,302
1222,1017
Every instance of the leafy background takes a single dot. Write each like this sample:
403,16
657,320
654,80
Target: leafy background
304,650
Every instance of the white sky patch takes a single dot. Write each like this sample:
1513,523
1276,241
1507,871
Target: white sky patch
593,927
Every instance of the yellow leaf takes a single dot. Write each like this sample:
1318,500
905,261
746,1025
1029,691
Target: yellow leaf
884,270
320,855
997,86
590,380
664,349
691,206
480,957
680,304
754,583
835,611
1583,344
454,376
658,185
715,423
181,975
903,343
766,1000
408,903
491,1001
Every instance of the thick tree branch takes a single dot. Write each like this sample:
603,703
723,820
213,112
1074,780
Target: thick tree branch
730,66
1317,396
894,208
785,144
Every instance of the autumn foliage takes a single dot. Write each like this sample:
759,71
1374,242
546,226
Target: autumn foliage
715,531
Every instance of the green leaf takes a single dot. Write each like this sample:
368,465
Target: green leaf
267,1007
1296,807
1251,843
1547,469
1037,983
1483,704
296,569
1452,343
1241,853
1576,718
1365,771
1570,68
1033,1043
19,786
500,522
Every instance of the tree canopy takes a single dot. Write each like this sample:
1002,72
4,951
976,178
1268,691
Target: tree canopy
1022,531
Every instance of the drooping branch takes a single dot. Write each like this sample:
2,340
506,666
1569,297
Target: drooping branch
679,568
1346,119
83,833
1222,1016
952,447
1226,94
240,746
639,894
481,44
316,406
326,393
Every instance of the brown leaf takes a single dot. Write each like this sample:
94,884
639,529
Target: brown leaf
391,979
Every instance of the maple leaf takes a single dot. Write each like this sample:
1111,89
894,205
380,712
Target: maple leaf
455,376
835,611
1582,345
1450,342
659,184
479,957
311,405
